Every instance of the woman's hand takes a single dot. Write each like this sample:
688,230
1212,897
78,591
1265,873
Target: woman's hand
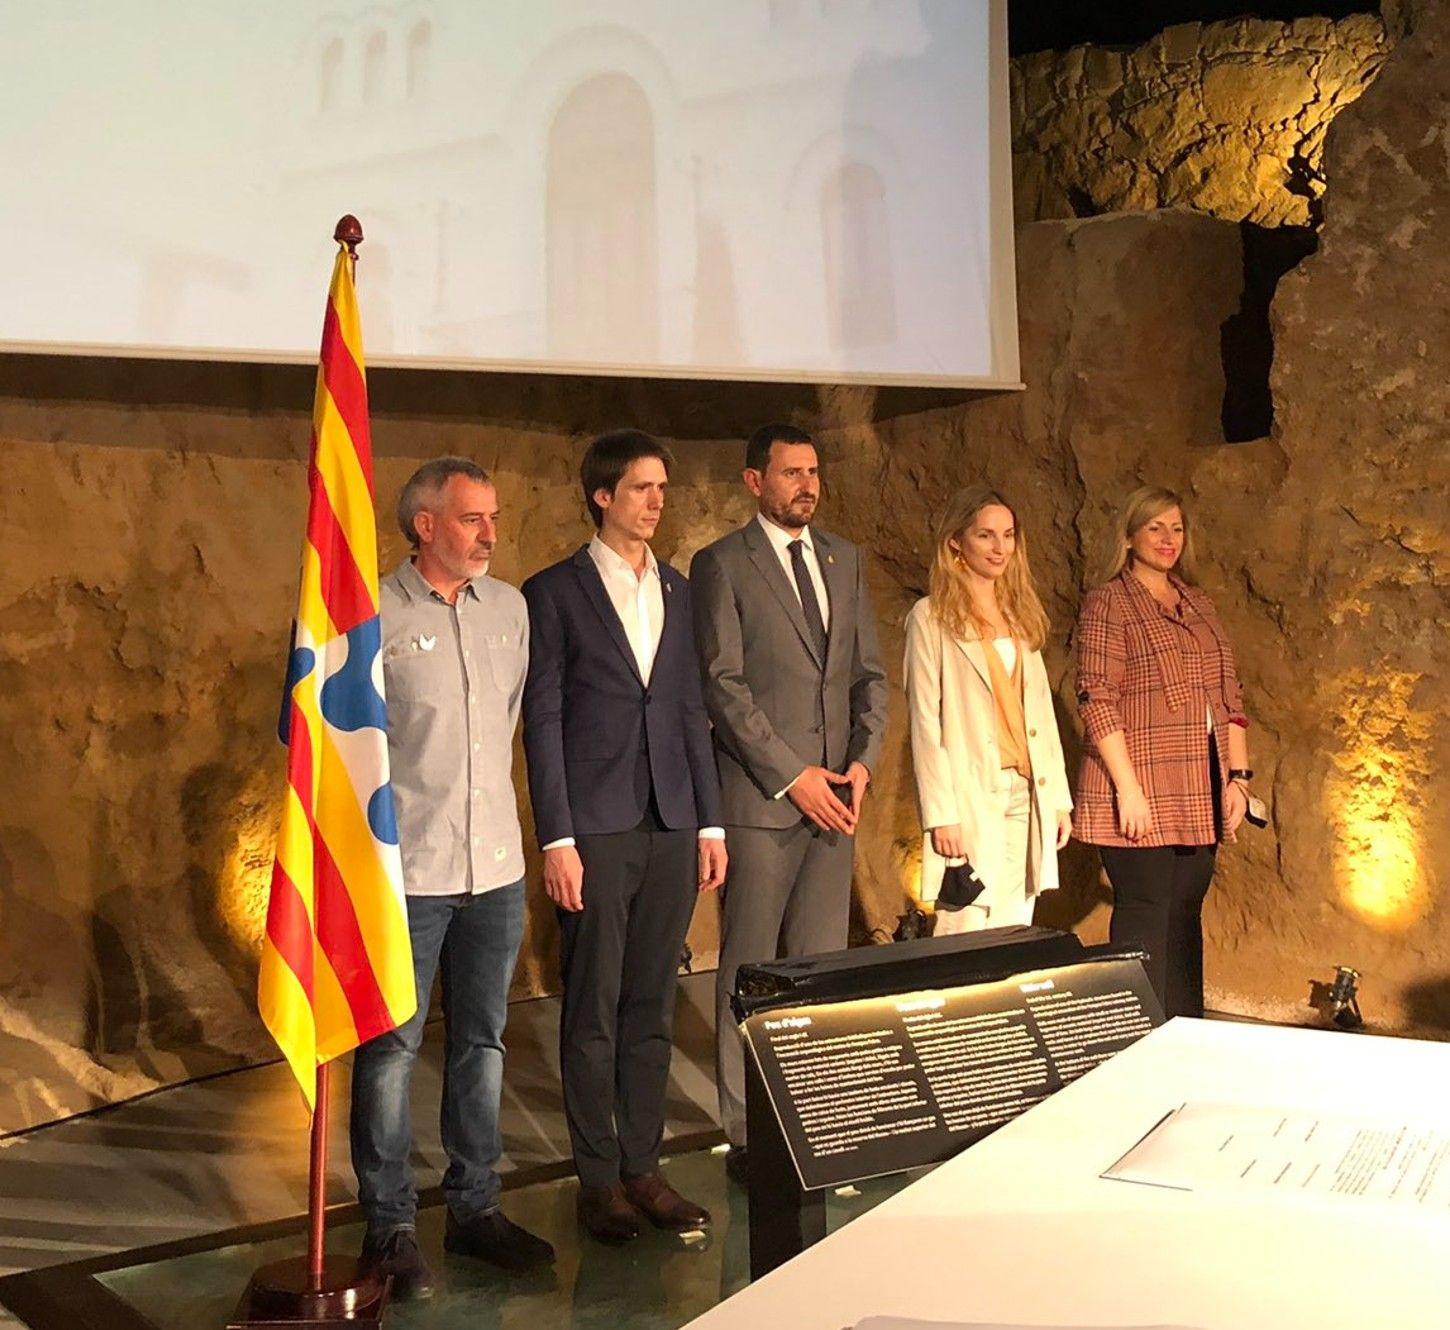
1235,805
1064,827
949,841
1135,818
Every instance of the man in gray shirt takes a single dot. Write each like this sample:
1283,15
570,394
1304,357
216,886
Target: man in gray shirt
454,653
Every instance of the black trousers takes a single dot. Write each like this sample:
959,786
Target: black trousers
619,957
1158,894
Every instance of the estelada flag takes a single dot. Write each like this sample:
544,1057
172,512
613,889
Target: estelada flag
337,966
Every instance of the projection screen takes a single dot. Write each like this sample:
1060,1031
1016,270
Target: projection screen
812,190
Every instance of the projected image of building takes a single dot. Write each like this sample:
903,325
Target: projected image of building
770,185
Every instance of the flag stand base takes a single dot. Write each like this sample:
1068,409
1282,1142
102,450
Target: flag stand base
284,1295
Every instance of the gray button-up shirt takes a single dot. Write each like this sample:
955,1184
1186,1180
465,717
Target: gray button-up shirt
454,677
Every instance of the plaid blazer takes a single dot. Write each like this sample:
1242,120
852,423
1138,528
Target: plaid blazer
1156,677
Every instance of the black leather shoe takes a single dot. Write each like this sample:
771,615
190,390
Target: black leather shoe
495,1237
395,1254
737,1165
606,1215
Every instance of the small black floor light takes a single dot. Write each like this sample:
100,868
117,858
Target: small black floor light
1344,999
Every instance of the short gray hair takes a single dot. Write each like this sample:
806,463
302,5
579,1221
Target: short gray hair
426,484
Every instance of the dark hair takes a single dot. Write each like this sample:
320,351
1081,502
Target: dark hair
426,484
609,457
757,451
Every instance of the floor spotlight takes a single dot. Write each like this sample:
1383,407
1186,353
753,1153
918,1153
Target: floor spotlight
1344,999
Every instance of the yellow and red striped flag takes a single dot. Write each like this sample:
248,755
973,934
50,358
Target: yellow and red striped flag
337,966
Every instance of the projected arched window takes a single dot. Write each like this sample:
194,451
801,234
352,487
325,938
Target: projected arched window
420,58
603,281
857,246
375,68
329,76
378,300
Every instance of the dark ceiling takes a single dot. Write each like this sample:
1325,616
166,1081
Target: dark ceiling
1048,25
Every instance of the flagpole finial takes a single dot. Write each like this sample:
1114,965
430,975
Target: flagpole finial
348,232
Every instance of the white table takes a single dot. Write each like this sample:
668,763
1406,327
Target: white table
1021,1230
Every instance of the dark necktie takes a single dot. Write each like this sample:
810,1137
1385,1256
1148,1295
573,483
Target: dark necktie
815,625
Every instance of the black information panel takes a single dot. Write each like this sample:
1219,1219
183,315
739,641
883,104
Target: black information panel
877,1085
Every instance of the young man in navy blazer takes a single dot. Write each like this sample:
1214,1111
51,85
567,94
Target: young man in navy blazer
626,800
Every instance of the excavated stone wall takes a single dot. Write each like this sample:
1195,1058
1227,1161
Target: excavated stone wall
1225,118
1356,549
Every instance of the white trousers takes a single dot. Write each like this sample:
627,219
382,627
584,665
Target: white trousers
1005,902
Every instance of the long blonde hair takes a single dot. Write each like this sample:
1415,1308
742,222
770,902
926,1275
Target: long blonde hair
1140,508
951,591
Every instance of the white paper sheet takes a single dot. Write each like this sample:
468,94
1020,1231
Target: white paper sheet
1293,1151
906,1323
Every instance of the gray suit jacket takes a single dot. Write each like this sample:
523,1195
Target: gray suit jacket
775,707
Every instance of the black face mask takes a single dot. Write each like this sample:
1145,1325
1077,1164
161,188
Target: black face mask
960,886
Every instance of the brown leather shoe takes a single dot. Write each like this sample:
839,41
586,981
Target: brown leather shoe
606,1215
662,1205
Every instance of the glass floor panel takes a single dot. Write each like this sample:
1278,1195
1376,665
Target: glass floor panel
658,1282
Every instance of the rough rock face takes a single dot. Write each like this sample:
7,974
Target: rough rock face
1225,118
1359,574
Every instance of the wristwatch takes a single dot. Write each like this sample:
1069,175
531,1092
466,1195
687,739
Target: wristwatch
1240,774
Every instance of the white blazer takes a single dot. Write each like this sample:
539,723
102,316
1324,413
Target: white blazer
954,754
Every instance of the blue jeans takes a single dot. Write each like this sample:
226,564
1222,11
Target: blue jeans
477,940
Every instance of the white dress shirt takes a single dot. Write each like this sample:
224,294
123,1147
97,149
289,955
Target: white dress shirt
780,542
639,600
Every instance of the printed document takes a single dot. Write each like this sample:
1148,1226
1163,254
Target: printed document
1293,1151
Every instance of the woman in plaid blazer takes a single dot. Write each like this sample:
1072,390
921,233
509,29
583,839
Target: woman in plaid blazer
1164,773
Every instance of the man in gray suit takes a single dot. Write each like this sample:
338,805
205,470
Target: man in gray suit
797,696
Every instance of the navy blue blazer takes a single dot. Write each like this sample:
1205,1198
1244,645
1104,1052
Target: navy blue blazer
588,714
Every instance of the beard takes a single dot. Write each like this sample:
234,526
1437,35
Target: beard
793,515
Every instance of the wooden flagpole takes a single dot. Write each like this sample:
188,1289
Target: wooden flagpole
317,1182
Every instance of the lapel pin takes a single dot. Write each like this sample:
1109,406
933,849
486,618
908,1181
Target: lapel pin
424,643
830,558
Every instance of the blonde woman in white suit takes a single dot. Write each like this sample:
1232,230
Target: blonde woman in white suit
990,777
